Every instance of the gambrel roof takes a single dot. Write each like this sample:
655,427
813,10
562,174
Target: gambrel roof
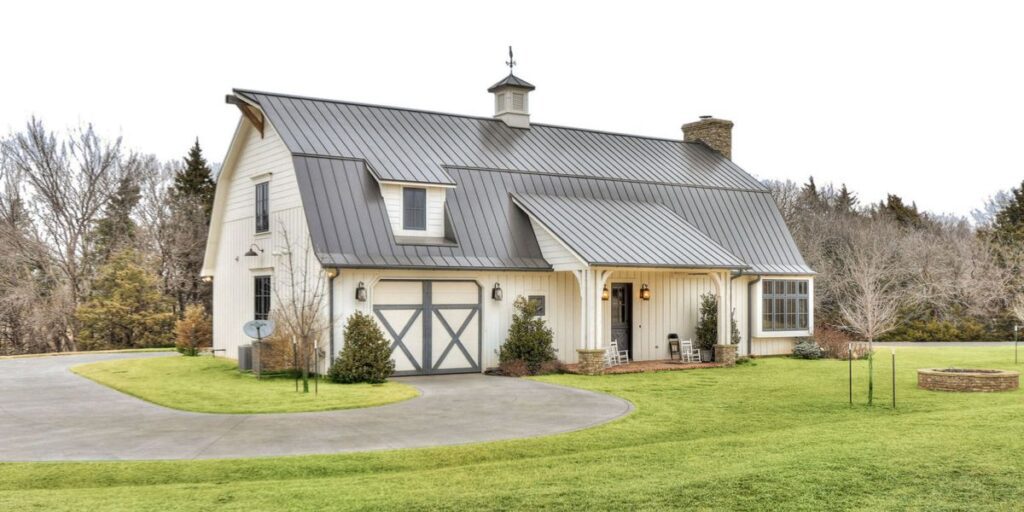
343,150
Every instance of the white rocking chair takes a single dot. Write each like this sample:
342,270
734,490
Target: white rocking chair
688,352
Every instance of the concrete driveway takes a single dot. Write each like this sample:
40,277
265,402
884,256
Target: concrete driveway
49,413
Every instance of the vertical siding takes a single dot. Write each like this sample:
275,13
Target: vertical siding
554,251
673,306
233,300
772,346
392,195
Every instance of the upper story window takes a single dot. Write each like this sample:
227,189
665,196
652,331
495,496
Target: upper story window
263,207
261,292
414,208
784,305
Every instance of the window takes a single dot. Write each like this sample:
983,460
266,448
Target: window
784,305
539,301
414,208
263,207
262,293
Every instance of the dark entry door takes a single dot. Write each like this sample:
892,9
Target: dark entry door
622,316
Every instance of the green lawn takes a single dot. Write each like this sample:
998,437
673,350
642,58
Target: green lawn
207,384
775,436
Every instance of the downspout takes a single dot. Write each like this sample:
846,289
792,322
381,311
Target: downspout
750,314
330,314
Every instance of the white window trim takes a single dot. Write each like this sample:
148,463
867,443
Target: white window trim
760,332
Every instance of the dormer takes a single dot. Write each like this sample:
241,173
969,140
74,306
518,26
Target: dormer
512,98
416,212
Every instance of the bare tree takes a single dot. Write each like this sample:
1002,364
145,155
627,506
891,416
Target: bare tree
300,293
874,278
68,184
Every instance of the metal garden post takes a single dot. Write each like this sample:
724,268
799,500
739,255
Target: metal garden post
849,347
894,377
1015,328
295,363
871,376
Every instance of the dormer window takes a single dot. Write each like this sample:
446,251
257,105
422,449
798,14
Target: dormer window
414,208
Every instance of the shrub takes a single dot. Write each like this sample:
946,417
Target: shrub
529,338
807,349
835,343
366,356
194,331
707,326
513,368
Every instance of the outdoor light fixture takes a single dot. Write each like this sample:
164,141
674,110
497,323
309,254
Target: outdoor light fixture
252,251
361,292
207,279
496,293
331,273
604,293
645,292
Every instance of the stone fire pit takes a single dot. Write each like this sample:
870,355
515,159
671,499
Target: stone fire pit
963,379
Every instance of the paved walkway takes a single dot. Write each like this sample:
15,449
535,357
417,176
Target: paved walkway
947,344
49,413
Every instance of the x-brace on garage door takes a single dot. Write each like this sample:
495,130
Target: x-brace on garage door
434,326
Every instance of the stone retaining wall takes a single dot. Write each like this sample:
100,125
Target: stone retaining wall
937,379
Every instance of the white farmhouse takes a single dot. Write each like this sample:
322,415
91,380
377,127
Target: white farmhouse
434,223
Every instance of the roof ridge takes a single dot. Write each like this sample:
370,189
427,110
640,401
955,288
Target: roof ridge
463,116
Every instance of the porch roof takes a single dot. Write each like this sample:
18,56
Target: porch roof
610,232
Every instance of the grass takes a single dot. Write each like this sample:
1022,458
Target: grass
778,435
207,384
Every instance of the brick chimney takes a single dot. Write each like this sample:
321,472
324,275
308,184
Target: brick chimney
714,133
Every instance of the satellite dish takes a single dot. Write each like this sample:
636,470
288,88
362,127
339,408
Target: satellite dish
258,329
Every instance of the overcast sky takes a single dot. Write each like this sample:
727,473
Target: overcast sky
923,99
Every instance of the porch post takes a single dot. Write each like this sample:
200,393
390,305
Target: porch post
591,358
725,351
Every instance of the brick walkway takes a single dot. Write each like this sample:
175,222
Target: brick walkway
650,366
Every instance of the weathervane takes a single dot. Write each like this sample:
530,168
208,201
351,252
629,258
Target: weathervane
510,62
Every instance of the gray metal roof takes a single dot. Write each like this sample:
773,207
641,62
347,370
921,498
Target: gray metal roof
610,232
513,81
417,146
349,225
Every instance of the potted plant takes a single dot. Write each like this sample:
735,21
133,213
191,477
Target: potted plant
707,326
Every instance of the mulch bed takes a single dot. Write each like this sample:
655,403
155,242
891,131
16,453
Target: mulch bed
649,366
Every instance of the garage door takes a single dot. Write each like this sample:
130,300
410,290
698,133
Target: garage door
434,326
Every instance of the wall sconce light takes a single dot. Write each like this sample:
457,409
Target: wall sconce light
645,292
604,293
252,253
361,292
331,273
496,293
207,279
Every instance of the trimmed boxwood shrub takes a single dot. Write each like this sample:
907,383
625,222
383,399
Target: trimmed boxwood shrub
366,356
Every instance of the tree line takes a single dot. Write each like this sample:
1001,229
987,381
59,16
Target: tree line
100,246
889,271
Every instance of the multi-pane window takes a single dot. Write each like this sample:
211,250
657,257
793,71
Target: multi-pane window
262,294
784,305
262,207
414,208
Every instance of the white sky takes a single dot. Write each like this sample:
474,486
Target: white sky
923,99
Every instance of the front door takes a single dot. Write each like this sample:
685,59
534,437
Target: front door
622,316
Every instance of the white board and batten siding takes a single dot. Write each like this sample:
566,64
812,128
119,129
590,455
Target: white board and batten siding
393,202
254,160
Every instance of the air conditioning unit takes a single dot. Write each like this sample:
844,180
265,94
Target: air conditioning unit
245,358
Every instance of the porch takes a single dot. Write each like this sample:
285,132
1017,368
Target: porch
663,365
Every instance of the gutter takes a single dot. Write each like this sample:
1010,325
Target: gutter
750,314
330,316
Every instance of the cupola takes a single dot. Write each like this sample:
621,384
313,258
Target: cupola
511,98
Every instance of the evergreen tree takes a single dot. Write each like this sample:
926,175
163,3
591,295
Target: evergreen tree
127,309
529,338
707,325
906,216
1008,226
116,230
366,356
846,201
195,179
